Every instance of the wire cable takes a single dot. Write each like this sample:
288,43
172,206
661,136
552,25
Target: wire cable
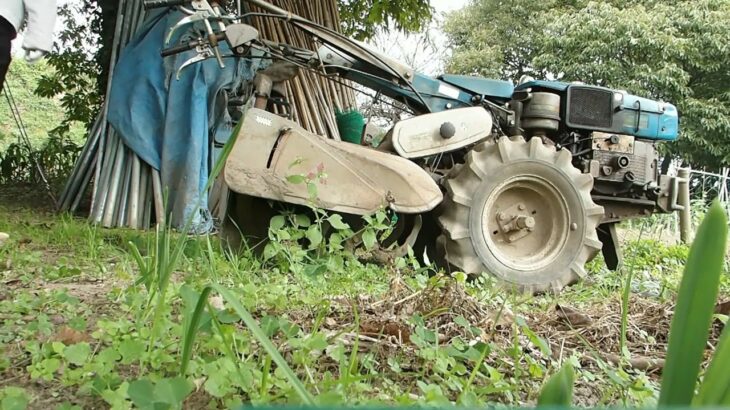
23,136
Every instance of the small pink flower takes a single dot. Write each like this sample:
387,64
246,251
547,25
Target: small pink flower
320,167
311,176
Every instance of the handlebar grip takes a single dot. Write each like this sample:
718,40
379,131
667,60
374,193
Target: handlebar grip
156,4
179,49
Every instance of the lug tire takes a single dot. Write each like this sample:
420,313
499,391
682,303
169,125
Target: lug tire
520,211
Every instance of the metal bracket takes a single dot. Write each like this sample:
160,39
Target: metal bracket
674,193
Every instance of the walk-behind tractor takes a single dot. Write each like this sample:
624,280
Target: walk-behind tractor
525,183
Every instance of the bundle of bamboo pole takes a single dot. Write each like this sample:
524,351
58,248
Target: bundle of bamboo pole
127,192
314,98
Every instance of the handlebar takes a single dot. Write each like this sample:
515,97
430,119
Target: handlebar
156,4
188,46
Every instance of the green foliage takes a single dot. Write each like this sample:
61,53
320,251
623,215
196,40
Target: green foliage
54,147
259,334
497,39
265,316
558,390
361,18
715,388
74,79
693,315
164,394
13,398
675,51
18,164
39,114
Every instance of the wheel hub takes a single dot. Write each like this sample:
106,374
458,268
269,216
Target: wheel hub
526,222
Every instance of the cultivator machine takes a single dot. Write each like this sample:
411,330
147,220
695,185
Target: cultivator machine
525,182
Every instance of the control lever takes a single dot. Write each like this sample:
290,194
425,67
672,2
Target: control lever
204,53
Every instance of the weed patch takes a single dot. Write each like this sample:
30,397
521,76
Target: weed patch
183,322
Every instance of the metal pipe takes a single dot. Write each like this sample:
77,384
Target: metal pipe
77,169
127,24
84,186
133,214
136,9
106,162
148,203
685,214
141,18
84,161
120,214
114,183
160,211
273,9
143,203
79,181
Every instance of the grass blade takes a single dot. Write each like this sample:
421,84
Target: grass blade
253,326
558,391
259,334
715,389
191,330
693,312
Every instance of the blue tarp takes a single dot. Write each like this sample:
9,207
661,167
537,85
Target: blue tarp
170,123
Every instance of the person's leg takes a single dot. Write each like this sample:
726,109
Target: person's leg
7,34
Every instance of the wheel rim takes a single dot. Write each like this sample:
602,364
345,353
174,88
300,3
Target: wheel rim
525,222
498,177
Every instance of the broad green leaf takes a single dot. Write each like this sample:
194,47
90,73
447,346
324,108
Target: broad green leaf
172,391
337,223
131,350
15,398
277,222
693,311
141,392
270,250
58,347
315,269
369,238
303,221
270,325
314,235
312,190
558,390
117,399
14,403
317,341
296,179
77,354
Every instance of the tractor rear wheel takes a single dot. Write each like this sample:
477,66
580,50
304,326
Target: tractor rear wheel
521,212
